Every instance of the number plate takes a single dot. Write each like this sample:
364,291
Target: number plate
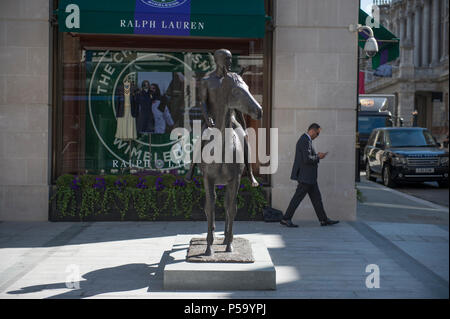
424,170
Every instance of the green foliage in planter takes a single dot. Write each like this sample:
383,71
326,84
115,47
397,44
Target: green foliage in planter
145,201
151,196
257,198
117,197
65,195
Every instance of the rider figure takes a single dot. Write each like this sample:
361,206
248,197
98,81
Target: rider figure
208,93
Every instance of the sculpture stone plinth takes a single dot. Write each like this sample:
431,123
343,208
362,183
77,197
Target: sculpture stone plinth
179,274
242,252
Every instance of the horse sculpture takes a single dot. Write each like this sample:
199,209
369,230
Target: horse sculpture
232,95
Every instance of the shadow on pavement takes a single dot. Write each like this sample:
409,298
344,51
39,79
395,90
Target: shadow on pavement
109,280
48,234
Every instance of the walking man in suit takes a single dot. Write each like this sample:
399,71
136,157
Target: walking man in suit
304,172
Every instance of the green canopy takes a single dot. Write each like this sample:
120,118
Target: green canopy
205,18
388,43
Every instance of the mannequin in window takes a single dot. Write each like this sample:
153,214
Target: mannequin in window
144,100
160,110
126,111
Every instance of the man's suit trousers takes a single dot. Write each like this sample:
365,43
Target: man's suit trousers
316,198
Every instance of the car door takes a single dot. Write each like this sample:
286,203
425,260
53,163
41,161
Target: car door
370,149
378,152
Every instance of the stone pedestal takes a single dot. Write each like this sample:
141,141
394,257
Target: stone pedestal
242,251
179,274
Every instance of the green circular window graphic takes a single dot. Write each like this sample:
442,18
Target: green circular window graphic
107,73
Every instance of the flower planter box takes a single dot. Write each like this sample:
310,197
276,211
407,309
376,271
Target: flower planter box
170,207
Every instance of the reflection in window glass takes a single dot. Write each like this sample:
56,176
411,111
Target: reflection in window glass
119,107
411,138
367,123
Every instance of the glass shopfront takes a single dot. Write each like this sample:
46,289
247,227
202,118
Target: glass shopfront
118,96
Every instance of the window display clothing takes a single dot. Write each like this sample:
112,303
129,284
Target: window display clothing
126,123
145,120
120,99
161,118
175,94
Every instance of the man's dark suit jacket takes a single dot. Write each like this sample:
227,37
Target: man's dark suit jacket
306,162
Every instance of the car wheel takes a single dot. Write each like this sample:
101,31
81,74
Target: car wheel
369,173
387,178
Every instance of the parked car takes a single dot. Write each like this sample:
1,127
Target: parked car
374,112
367,122
405,154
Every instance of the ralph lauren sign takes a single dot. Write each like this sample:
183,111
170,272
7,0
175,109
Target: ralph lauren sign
170,17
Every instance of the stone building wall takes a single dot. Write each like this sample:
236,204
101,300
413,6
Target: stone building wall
24,109
315,80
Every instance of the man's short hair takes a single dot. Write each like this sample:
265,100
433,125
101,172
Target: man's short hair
314,126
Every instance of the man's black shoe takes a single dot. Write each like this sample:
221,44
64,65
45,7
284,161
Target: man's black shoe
287,223
328,222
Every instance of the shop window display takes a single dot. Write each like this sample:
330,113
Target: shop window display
118,106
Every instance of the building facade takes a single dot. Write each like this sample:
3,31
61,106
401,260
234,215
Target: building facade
25,110
56,117
420,74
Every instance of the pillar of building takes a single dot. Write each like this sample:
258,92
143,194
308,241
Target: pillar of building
410,24
406,60
314,76
406,103
402,26
395,21
444,38
417,23
406,47
425,33
435,22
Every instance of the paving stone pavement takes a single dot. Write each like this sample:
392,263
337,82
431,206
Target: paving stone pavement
127,259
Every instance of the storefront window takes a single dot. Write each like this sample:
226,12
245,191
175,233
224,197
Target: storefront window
118,102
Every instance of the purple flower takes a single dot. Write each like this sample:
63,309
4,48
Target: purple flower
120,184
242,186
158,184
76,183
101,184
220,186
197,183
141,184
179,183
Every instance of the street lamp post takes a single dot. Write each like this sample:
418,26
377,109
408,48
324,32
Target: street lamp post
370,49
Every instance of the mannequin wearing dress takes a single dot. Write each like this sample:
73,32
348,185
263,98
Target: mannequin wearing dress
126,125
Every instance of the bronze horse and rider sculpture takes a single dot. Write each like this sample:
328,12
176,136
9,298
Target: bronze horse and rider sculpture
224,97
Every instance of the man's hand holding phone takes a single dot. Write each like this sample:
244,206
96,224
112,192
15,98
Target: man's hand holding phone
322,155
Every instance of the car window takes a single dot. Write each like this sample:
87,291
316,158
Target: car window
411,138
371,140
380,138
387,141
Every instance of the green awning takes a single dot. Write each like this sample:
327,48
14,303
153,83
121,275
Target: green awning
206,18
388,43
